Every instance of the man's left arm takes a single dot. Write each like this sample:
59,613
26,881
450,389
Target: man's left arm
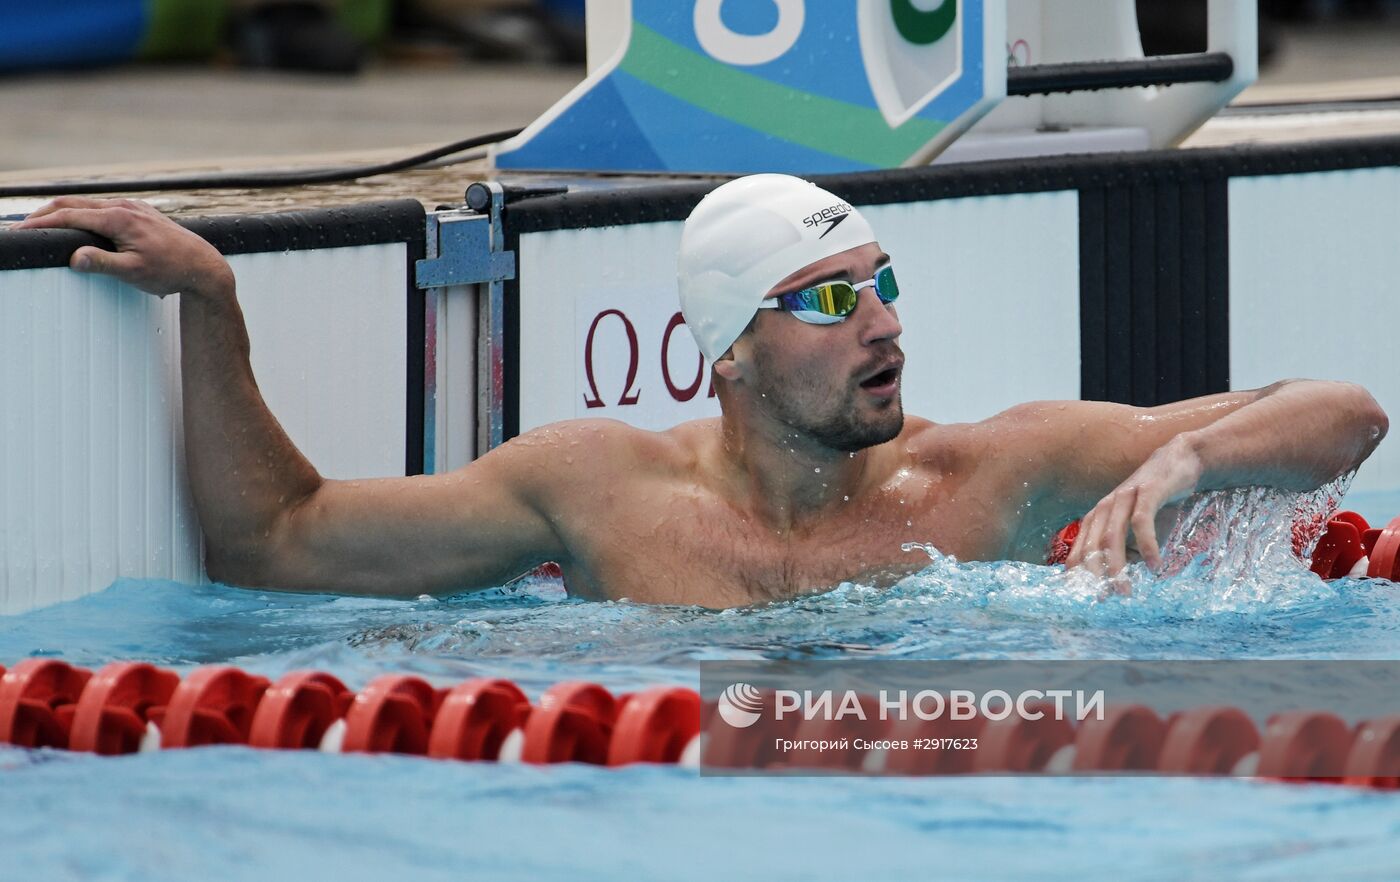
1293,435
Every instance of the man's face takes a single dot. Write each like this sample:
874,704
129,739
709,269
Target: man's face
838,383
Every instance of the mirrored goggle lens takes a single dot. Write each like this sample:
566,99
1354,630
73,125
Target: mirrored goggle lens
885,285
836,299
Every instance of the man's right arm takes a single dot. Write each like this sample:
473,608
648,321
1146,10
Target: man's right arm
269,518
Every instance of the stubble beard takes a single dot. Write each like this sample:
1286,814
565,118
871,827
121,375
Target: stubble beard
835,421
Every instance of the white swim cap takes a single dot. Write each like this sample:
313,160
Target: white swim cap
747,236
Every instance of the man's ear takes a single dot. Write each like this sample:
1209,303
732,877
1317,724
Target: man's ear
726,367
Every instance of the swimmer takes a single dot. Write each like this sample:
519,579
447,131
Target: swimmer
812,476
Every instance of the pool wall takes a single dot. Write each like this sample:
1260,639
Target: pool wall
92,481
1137,277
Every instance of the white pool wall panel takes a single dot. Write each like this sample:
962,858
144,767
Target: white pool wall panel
989,303
571,278
1315,288
328,330
989,300
91,447
92,476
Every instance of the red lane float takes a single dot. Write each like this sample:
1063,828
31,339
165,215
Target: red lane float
731,747
818,730
213,705
1207,741
1374,759
392,715
1385,553
655,726
573,723
1018,744
36,702
1063,543
111,716
1304,746
475,718
550,570
296,711
1340,548
1128,738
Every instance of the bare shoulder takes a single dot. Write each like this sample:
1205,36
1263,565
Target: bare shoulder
577,454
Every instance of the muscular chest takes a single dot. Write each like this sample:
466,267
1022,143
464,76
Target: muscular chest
699,550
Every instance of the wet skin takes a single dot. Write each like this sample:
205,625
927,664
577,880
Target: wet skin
690,538
812,476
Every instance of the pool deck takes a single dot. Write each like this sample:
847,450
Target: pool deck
137,121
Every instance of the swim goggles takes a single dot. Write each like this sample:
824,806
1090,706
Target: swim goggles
830,302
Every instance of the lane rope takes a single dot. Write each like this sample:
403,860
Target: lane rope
128,707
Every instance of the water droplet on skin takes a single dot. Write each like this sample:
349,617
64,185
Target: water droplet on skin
908,523
845,499
817,470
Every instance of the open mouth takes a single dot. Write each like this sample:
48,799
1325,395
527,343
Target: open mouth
882,379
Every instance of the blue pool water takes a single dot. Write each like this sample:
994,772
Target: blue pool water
233,813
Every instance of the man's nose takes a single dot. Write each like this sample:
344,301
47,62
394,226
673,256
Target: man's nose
878,321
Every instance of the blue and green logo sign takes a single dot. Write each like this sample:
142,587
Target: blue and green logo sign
771,85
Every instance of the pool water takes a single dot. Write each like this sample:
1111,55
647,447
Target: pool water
232,813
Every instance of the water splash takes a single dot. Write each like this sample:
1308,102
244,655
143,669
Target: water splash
1230,551
1238,532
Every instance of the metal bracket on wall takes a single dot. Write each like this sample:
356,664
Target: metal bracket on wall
470,250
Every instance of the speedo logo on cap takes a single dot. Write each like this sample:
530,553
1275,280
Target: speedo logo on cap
830,217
